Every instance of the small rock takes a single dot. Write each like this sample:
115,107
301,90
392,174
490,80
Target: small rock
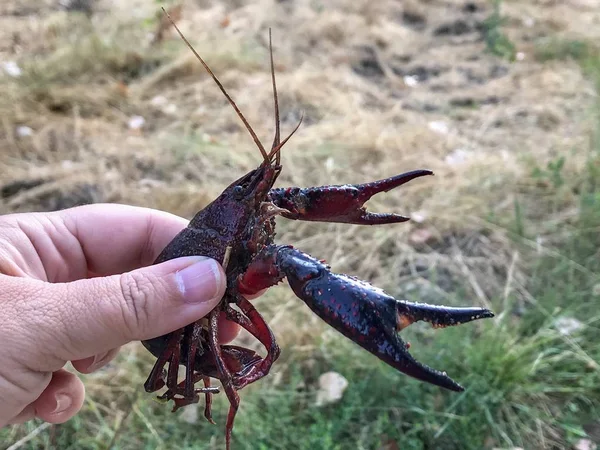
520,56
331,388
418,216
11,68
567,325
159,100
24,131
439,126
411,80
136,122
329,164
585,444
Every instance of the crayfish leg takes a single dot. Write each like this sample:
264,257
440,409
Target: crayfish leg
255,324
224,374
156,380
192,335
208,401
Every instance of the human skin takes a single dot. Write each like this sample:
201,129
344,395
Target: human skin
77,284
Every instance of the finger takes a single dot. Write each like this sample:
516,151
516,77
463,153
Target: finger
27,414
228,330
93,363
120,238
62,399
89,317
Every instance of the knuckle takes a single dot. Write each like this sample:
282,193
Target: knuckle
137,293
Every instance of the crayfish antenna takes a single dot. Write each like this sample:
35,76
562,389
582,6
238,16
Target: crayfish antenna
210,72
277,144
278,148
277,139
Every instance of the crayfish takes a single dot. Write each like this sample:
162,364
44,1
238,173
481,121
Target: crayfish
237,229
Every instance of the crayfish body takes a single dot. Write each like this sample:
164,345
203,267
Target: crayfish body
237,229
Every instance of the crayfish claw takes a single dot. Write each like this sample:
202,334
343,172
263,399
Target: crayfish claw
410,366
341,204
369,218
366,314
368,190
438,316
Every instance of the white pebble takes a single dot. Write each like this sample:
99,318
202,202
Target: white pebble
12,69
411,80
331,388
136,122
24,131
439,126
159,100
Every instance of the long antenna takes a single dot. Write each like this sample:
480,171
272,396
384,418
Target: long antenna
237,110
277,139
275,150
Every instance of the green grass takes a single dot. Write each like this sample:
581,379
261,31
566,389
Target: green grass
496,41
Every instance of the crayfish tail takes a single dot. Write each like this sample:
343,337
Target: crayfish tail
438,316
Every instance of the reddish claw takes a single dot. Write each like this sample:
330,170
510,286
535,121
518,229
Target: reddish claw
340,203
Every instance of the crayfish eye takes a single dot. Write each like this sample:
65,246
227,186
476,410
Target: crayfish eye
238,192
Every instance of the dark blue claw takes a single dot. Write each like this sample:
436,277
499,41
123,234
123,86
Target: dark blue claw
366,314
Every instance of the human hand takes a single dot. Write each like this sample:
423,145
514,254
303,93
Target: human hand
75,285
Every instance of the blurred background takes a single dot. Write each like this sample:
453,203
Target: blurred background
101,102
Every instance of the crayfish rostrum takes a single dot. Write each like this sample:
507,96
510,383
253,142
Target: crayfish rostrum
237,229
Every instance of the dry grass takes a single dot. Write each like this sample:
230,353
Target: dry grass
481,123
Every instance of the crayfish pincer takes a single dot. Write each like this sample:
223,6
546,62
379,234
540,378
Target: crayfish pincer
238,230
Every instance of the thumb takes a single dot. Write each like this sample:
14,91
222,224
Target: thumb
87,317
